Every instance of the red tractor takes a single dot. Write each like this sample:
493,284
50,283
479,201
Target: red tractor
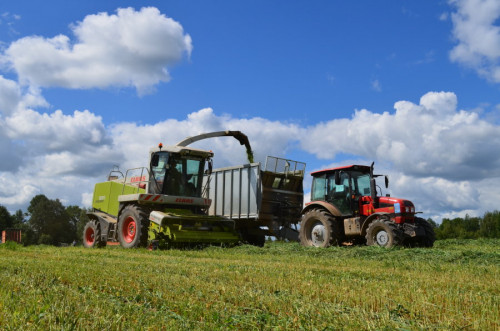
345,207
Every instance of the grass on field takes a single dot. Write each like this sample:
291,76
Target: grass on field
455,285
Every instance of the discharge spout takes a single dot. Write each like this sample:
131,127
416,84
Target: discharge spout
238,135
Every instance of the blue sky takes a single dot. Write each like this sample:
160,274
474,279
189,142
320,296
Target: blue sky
411,85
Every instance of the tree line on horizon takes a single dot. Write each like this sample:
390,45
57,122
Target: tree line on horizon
46,222
49,222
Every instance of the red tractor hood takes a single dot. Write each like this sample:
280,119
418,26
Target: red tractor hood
403,210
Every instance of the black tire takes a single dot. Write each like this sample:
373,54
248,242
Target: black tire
254,239
92,235
252,236
133,224
383,232
428,239
319,229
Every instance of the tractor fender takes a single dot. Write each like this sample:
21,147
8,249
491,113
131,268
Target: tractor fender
369,219
323,205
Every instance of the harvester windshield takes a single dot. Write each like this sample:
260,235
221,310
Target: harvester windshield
177,175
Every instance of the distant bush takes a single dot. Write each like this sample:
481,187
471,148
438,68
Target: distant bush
470,227
10,245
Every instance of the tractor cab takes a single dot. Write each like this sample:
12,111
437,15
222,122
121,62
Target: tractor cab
343,187
178,171
351,189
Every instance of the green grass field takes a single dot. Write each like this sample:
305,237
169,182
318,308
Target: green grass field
455,285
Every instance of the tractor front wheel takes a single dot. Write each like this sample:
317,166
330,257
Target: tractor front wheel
319,229
382,232
133,226
92,235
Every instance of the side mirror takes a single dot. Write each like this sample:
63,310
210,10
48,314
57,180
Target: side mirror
386,182
155,160
337,178
210,167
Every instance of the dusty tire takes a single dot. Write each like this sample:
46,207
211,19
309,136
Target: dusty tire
319,229
428,239
92,235
133,226
382,232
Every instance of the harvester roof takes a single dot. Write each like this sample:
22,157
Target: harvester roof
182,150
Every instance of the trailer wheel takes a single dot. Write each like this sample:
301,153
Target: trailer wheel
133,226
256,239
319,228
382,232
428,239
92,235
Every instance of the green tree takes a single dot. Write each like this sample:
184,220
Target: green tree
50,221
74,213
19,219
6,219
20,222
490,225
432,223
471,226
460,228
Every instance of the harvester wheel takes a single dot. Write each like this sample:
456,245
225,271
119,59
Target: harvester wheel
383,232
92,235
133,226
428,239
319,228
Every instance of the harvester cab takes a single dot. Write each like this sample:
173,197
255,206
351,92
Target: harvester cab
178,171
345,207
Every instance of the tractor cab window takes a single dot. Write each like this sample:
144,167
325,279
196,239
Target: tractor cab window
345,194
318,190
338,193
360,183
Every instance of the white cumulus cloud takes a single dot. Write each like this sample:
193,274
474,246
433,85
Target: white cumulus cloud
476,29
432,138
129,48
56,131
10,96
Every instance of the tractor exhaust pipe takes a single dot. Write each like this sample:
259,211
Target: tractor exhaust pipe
373,187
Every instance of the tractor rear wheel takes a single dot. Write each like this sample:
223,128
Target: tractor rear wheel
319,229
382,232
92,235
428,239
133,226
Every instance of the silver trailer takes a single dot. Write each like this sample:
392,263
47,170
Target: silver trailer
262,201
